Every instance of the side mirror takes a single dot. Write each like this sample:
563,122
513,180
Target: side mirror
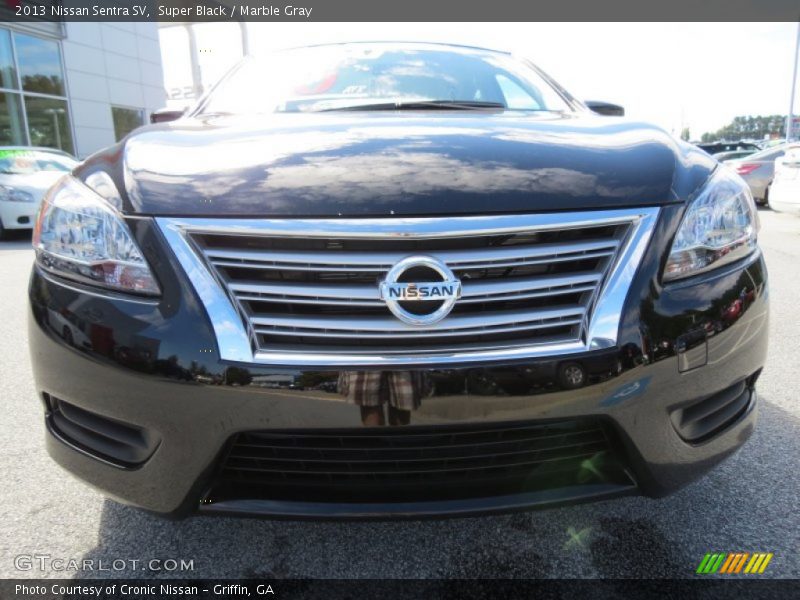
164,115
605,108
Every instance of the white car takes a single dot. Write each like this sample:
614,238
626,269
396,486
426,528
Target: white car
784,195
26,173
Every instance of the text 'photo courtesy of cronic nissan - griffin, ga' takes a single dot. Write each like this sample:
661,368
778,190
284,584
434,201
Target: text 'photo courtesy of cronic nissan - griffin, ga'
379,280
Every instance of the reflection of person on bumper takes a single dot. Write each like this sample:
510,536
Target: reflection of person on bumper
400,391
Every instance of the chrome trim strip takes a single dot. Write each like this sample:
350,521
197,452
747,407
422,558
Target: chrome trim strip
388,324
233,337
377,268
379,261
607,313
379,303
407,227
370,294
377,335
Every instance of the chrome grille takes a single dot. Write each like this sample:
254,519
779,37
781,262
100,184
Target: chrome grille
307,291
285,314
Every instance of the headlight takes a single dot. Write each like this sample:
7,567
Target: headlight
719,227
11,194
79,236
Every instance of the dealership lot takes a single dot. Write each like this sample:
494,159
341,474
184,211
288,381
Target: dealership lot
748,504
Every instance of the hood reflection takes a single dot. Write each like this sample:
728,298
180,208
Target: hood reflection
315,165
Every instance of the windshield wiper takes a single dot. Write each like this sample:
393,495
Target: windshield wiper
423,105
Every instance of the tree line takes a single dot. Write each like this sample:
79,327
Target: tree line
749,127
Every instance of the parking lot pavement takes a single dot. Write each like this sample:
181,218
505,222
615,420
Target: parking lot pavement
750,503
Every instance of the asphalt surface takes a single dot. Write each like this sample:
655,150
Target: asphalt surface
749,503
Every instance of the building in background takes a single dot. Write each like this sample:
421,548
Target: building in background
77,86
199,55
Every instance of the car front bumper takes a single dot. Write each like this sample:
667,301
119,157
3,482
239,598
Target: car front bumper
784,196
18,215
153,366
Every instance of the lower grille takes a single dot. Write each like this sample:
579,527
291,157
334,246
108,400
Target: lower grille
417,463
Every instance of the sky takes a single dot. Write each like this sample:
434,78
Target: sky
696,75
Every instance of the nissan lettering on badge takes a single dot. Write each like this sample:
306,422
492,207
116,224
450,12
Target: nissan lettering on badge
395,291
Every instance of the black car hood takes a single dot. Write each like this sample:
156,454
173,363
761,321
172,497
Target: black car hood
408,163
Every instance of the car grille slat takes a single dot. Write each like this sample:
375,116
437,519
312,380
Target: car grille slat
390,325
379,261
450,466
413,437
317,294
369,295
408,456
378,269
344,334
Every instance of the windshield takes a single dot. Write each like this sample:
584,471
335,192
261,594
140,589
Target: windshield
19,162
369,76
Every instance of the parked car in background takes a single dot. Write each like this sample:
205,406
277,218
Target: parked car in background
716,147
777,142
758,169
26,173
733,154
785,193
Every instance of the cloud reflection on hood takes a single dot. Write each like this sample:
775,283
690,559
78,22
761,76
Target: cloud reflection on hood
410,165
418,173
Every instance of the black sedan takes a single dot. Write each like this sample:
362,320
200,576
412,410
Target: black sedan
380,280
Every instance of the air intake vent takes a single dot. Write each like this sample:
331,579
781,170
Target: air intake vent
704,419
417,463
120,443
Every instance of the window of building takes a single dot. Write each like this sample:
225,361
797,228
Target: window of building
8,71
39,65
12,126
48,123
126,120
33,104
